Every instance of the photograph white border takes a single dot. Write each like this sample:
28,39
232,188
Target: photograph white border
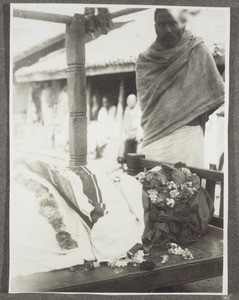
33,6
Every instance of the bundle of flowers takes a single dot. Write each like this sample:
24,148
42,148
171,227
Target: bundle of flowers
177,208
135,259
177,250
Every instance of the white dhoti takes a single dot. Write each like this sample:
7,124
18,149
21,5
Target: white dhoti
185,144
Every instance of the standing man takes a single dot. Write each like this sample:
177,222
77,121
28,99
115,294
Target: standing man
107,113
132,132
178,86
106,125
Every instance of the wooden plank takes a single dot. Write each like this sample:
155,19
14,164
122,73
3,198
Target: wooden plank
147,281
75,50
135,281
202,173
207,262
208,174
217,221
42,16
32,55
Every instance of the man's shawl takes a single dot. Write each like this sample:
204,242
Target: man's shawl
175,86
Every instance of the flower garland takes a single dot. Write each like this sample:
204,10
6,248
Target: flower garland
165,189
48,208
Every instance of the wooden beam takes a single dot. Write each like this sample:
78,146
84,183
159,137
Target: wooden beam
56,18
75,52
32,56
42,16
40,47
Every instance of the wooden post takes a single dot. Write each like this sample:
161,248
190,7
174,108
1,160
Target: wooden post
88,99
75,51
133,163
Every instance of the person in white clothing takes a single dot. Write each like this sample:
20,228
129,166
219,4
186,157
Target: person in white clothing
106,124
132,130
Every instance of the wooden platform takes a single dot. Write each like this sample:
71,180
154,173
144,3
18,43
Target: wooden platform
207,262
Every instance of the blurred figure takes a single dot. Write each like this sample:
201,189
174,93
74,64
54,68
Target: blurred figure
36,95
95,108
107,113
106,122
101,131
132,131
62,129
32,116
49,114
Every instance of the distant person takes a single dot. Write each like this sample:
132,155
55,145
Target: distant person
36,99
94,108
105,129
48,113
178,86
62,130
107,113
132,131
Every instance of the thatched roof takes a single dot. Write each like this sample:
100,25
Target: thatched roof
118,50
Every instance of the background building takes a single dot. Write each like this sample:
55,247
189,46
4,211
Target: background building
110,68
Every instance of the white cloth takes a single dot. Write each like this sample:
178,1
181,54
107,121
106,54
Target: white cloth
33,246
185,144
114,234
131,122
101,131
119,230
107,117
214,139
131,190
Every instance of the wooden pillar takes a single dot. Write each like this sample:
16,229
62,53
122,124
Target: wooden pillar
75,51
88,99
133,163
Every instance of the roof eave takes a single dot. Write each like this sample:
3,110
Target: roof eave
90,71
